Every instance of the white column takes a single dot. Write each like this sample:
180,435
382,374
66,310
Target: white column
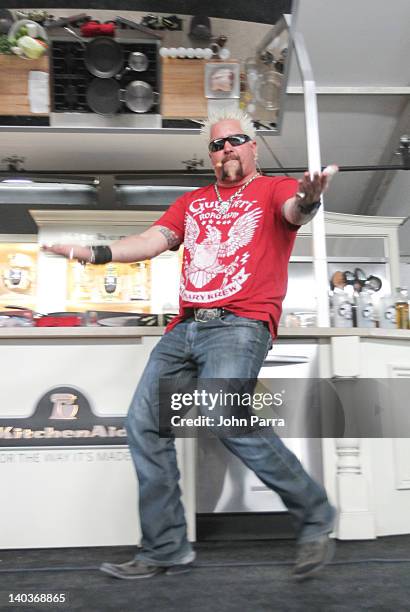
356,518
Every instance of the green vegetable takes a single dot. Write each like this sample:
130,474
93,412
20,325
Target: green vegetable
5,45
31,47
22,32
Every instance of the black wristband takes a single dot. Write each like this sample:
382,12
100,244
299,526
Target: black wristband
307,209
101,254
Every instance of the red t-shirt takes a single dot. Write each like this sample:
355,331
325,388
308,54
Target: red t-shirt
239,260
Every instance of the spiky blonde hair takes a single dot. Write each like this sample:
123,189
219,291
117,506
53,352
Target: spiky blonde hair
237,114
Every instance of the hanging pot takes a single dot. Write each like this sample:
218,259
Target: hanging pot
139,96
103,57
137,61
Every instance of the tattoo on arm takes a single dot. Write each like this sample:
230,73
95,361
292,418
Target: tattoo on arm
172,238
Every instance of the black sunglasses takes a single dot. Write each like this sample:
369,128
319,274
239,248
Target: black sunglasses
236,140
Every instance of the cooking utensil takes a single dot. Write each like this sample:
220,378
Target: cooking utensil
373,283
103,57
360,274
40,31
137,26
63,21
104,96
36,31
149,320
350,277
338,280
139,96
137,61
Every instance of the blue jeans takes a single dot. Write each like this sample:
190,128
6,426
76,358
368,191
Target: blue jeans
232,347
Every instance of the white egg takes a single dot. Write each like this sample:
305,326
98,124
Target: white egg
190,52
208,53
224,54
199,53
172,52
164,52
181,52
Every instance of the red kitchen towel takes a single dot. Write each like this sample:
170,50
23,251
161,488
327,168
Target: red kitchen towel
66,321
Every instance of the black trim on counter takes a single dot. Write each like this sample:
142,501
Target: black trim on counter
244,526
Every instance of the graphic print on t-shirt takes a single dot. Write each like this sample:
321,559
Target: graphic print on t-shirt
215,264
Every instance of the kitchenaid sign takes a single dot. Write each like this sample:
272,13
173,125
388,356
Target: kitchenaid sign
62,417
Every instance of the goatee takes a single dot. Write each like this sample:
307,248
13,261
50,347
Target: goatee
235,174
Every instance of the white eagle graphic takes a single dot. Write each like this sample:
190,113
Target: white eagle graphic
206,256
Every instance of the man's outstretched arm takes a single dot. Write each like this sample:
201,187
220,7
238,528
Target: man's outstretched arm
137,247
301,208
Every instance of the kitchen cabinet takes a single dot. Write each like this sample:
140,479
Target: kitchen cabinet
18,271
352,241
72,491
147,287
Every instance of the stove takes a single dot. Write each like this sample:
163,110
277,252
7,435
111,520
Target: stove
70,79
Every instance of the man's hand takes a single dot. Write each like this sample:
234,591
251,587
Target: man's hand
303,206
71,251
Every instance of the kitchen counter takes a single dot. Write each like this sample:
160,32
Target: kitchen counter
137,332
100,367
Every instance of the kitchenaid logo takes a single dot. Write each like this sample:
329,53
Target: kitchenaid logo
62,417
63,406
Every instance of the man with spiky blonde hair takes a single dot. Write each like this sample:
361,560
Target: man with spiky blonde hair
238,235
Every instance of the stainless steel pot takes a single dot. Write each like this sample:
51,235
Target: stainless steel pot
137,61
139,96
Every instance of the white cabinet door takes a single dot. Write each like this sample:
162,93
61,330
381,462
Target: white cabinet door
389,362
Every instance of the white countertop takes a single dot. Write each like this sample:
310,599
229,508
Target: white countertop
138,332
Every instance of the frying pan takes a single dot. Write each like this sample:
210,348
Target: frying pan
104,96
373,282
103,57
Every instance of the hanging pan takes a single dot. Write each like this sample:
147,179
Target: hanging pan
103,57
103,96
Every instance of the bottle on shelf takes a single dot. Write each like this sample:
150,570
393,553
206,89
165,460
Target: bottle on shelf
402,308
387,312
365,309
342,310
